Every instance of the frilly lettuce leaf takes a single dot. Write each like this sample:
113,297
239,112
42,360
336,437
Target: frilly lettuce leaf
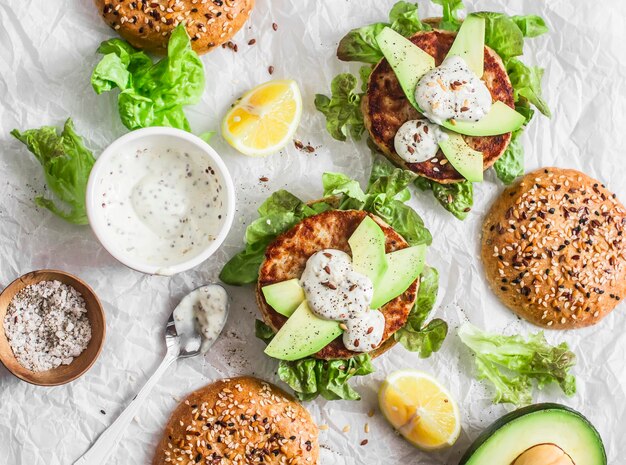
278,213
360,44
511,363
449,19
416,335
511,164
66,163
343,109
151,94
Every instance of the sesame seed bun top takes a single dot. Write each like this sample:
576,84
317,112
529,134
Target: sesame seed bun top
239,421
147,24
554,251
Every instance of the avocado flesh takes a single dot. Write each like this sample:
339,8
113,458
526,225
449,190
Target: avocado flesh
469,44
284,297
500,120
508,438
405,266
408,61
367,245
467,161
302,335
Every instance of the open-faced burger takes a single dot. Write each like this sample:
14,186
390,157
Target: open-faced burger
337,280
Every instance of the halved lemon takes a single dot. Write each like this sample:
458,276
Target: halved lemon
420,409
265,119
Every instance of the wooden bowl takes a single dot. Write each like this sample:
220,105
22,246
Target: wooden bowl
63,373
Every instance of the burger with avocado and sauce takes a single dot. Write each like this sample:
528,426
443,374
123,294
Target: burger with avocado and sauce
340,280
443,98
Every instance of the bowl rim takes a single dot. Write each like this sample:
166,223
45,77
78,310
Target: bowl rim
100,310
104,238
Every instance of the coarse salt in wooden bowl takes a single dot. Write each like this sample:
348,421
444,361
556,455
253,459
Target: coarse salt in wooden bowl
63,373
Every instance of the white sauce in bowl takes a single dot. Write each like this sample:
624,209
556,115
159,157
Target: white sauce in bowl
204,311
335,291
418,140
161,206
452,91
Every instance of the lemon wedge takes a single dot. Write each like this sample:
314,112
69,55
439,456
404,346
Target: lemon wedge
264,120
420,409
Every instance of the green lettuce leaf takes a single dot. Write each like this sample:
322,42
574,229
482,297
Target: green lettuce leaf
343,109
457,198
530,25
415,335
66,163
450,19
310,377
151,94
278,213
360,44
263,331
511,164
405,20
385,197
526,81
502,34
511,363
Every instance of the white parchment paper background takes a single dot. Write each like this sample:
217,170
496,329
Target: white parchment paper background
47,53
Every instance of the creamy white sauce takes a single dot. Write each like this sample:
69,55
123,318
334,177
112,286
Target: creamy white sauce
162,206
418,140
335,291
365,333
453,91
203,311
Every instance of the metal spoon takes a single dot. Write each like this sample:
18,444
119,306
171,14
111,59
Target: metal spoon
183,341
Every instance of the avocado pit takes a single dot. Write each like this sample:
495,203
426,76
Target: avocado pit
543,454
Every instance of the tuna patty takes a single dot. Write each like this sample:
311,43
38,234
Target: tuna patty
385,109
286,258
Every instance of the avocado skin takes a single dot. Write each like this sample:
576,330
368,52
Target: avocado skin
485,435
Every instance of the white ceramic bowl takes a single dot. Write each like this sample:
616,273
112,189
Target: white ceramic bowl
174,139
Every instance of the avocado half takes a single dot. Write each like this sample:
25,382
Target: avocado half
506,440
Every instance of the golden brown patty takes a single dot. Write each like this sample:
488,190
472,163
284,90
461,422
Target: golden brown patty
239,421
147,24
554,251
286,258
386,108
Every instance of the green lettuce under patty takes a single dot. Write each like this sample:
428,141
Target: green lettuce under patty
385,196
505,34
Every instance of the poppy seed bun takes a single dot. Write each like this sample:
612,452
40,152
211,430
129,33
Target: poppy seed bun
386,108
553,249
147,24
239,421
287,255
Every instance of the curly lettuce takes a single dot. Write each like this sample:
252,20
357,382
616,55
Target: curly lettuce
511,363
66,163
151,94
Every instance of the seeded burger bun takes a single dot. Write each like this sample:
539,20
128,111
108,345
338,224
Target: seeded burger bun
147,24
286,258
239,421
386,108
554,251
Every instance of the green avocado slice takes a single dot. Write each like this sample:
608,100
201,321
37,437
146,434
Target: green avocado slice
302,335
367,244
408,61
405,266
285,296
469,44
500,120
508,438
467,161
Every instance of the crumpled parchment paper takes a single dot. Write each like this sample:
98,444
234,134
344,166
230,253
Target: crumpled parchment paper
47,53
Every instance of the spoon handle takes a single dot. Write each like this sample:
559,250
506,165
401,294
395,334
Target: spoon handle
102,449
